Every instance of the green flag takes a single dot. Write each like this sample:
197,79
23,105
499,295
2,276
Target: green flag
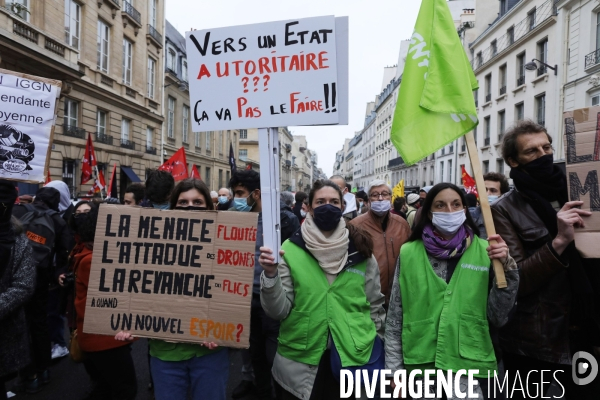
435,103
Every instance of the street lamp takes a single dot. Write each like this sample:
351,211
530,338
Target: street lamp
532,66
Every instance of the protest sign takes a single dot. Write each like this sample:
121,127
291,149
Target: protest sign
179,276
582,147
272,74
27,115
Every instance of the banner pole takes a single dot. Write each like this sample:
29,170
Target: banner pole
485,205
268,142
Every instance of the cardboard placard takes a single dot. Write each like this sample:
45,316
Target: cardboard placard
27,115
270,74
582,148
179,276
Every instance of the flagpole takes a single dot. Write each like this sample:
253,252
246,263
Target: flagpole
486,211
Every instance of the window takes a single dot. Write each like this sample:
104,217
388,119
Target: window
125,125
450,171
531,19
227,177
521,69
479,59
172,60
502,80
186,123
488,88
170,117
519,111
71,112
197,140
101,122
184,70
243,154
207,177
486,167
151,76
595,100
501,123
510,35
152,15
220,178
220,142
72,16
68,175
540,105
149,134
127,55
102,43
476,95
486,131
494,47
441,172
208,140
503,7
542,55
243,134
500,165
20,7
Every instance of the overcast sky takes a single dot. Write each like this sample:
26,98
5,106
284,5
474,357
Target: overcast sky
376,29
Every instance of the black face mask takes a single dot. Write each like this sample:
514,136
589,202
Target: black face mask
327,217
191,208
85,225
541,168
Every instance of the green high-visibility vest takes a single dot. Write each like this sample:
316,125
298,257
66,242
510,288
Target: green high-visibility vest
319,309
445,325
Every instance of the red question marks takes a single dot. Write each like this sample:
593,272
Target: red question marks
240,329
266,78
245,80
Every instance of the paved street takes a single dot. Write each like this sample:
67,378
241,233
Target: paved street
71,382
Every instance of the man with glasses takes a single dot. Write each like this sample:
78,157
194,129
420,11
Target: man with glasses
389,232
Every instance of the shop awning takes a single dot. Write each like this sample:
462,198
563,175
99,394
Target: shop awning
130,174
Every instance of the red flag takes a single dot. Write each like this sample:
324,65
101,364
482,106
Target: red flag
112,186
249,166
89,161
195,174
98,185
468,182
48,179
176,165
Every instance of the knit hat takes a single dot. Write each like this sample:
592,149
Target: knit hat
8,195
412,198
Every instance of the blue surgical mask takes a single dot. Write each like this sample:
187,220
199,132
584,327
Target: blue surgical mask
241,203
492,199
223,200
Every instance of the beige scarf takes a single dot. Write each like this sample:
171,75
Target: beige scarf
331,252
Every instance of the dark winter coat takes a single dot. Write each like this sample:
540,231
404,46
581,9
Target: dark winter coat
17,284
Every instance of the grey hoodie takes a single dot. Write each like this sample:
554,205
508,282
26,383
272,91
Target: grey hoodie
65,194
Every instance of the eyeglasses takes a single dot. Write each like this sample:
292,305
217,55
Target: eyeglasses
375,196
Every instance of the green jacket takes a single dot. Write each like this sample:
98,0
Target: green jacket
341,309
445,325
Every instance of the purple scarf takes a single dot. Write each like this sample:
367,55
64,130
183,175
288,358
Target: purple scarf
438,247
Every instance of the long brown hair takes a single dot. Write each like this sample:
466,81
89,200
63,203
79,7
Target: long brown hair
361,238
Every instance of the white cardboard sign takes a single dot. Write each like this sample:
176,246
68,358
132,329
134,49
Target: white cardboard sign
27,112
271,74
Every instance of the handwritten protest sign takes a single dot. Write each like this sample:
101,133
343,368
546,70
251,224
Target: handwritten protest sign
267,75
582,147
27,113
175,275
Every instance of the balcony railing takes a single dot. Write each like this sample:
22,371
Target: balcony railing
132,13
522,28
74,131
104,138
521,80
128,144
488,97
542,70
502,90
288,163
592,59
154,35
150,150
486,141
395,162
21,29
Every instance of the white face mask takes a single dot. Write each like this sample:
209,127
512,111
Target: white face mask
448,223
303,213
381,207
492,198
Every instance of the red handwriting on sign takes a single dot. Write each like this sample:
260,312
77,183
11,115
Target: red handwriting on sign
248,112
209,329
298,106
235,258
235,233
236,287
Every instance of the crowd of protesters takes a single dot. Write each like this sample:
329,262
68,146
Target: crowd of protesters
366,280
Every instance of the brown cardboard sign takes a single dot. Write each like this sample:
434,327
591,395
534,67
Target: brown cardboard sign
180,276
582,148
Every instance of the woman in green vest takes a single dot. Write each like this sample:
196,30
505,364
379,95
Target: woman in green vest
443,297
327,295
